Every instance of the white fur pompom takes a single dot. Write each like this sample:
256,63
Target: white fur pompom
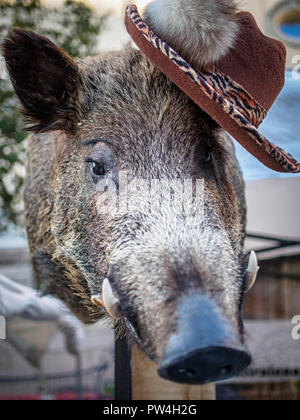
202,31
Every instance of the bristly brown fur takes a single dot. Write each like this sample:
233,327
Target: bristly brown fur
119,105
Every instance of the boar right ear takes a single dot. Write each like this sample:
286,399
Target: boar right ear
45,79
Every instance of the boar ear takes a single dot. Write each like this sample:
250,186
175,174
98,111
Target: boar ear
201,31
45,79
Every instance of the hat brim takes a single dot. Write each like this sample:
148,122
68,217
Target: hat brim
204,94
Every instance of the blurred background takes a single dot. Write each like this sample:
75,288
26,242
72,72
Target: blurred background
58,358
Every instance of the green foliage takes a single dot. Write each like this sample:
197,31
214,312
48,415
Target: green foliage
75,28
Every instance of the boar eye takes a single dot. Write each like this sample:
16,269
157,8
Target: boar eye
97,168
208,157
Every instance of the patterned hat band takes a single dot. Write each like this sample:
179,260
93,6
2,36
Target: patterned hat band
218,87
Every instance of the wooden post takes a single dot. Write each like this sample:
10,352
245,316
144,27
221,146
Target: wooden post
147,385
136,379
122,370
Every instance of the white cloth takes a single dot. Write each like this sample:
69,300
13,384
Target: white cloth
19,300
22,301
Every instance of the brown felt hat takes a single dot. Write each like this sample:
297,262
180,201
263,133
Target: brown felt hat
237,92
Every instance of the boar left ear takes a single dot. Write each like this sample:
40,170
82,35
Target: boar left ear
45,79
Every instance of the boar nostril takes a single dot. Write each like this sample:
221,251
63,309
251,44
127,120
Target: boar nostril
205,365
227,370
191,373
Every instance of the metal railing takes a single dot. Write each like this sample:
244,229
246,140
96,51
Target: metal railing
54,385
279,243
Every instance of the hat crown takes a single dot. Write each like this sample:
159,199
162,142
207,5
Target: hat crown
256,61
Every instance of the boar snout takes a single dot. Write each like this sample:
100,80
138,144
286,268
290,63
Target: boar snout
181,300
204,348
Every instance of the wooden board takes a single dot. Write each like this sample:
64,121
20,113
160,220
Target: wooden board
147,385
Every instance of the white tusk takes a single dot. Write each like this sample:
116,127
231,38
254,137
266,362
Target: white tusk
252,271
97,300
111,303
